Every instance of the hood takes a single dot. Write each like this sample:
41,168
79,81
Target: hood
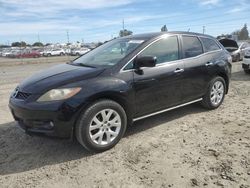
57,76
230,45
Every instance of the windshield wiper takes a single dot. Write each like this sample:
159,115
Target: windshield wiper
84,65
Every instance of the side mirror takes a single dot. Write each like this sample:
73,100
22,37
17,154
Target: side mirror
144,61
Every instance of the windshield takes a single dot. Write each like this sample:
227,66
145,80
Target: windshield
108,54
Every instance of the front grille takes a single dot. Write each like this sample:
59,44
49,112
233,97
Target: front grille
22,95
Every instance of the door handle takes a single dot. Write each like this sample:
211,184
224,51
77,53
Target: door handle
179,70
209,64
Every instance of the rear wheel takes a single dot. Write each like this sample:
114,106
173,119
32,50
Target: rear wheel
215,94
101,126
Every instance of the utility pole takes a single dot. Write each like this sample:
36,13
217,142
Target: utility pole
38,37
123,25
68,36
204,29
67,46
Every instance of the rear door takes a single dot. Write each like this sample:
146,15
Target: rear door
159,87
198,64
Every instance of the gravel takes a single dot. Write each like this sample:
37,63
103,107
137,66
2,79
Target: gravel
186,147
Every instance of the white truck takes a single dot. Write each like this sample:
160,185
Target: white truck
80,51
54,52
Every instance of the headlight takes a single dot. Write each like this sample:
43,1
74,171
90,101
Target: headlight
59,94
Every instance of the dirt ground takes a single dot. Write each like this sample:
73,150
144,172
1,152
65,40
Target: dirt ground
187,147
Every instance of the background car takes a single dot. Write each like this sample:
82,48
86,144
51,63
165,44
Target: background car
246,61
6,52
14,53
232,47
80,51
54,52
28,54
244,46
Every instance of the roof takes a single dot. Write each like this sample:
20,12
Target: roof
148,36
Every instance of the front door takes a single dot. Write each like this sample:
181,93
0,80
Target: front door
159,87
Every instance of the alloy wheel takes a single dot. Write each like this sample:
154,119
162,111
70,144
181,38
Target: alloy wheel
104,127
217,93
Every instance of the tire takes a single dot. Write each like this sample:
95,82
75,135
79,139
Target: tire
93,117
61,54
48,55
215,94
247,71
77,54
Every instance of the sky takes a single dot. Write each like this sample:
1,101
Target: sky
49,21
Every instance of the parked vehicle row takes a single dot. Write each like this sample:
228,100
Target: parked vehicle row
35,53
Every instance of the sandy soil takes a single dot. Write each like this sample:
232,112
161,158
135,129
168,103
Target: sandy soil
187,147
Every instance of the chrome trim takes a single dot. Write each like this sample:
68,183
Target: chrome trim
168,109
209,64
179,71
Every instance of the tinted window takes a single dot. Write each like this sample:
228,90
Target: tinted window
165,50
209,45
191,46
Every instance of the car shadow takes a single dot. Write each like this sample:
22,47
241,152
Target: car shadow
20,152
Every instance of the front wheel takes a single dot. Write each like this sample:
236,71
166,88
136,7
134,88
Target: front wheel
215,94
101,126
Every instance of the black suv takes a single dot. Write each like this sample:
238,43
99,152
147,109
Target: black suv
97,95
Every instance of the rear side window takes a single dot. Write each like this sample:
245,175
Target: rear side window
191,46
209,45
165,50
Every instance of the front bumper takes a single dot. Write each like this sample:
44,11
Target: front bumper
55,119
246,63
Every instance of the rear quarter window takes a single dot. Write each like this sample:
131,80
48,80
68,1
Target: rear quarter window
209,45
192,46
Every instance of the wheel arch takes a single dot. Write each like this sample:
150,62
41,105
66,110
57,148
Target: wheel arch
226,78
108,95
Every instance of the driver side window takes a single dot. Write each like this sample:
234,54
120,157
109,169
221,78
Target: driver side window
165,50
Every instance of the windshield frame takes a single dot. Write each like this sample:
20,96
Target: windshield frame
139,41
